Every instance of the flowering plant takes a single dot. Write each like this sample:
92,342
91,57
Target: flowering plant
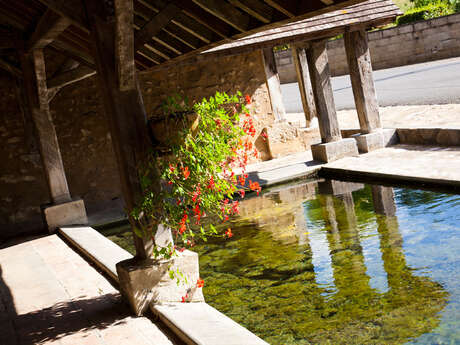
198,175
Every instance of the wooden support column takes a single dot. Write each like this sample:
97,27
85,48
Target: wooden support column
362,82
34,76
322,90
113,50
303,78
273,84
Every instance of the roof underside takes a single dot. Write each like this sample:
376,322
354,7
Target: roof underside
169,31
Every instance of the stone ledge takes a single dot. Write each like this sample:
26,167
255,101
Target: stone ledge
68,213
429,136
376,140
334,150
96,247
201,324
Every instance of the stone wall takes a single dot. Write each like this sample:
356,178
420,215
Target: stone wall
84,138
85,147
422,41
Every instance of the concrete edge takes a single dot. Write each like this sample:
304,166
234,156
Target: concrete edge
366,176
105,254
93,245
217,322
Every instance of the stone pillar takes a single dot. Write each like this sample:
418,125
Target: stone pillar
273,84
333,147
303,79
63,210
383,199
362,82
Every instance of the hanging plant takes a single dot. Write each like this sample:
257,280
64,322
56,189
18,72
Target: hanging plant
197,172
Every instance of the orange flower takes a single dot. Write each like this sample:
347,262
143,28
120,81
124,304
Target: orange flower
199,283
229,233
186,172
248,99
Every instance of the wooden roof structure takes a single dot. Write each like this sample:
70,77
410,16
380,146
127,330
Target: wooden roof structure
169,31
371,13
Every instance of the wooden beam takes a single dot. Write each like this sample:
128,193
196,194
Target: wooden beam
33,67
192,10
303,78
322,90
10,68
73,52
273,84
124,35
70,77
285,8
72,10
123,106
362,81
256,9
226,12
49,27
156,24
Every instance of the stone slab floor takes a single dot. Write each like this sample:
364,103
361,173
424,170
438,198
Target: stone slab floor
50,295
406,162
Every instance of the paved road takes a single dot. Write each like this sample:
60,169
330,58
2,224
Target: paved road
435,82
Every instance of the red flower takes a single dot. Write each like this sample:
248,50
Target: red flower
264,135
171,168
242,193
242,180
235,206
186,172
184,298
248,99
211,183
255,186
229,233
199,283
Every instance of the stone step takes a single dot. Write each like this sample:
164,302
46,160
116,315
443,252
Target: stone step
201,324
96,247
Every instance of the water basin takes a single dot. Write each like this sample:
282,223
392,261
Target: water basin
331,262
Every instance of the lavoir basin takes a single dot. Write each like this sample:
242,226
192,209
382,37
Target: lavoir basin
332,262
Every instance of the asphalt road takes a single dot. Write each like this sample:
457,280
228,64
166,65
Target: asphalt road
436,82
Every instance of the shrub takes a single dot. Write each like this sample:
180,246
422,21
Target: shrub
432,10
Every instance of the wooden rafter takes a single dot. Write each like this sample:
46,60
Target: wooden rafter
72,10
156,24
285,7
70,77
50,26
10,68
255,8
226,12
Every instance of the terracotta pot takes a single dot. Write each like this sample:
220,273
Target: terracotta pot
167,131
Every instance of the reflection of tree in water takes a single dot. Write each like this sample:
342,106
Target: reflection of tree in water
269,286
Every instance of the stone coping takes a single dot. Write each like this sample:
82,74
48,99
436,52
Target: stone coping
201,324
96,247
196,323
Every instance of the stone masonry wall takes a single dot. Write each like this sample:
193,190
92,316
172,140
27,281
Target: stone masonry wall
22,183
418,42
243,73
84,138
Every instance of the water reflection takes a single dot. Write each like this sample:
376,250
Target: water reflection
325,262
303,246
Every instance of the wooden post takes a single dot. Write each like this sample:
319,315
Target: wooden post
113,49
303,79
362,82
322,90
33,67
273,84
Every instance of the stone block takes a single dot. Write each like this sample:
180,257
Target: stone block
148,281
69,213
375,140
336,187
405,29
328,152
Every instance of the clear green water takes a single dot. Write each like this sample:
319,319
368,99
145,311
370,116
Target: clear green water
368,265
